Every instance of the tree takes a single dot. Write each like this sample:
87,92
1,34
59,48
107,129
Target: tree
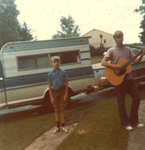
141,9
10,29
25,33
68,28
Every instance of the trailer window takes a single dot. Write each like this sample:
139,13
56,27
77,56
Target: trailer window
68,57
34,61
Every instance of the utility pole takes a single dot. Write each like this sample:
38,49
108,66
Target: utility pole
101,36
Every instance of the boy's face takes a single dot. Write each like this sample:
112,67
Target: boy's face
56,64
119,40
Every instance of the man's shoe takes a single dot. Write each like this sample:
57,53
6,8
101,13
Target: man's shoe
129,128
56,130
64,130
140,125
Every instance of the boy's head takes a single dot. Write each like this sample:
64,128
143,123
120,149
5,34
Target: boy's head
118,34
118,37
55,62
55,58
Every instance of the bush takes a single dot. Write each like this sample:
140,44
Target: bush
97,51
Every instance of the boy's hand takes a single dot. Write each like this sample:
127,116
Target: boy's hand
52,100
143,52
65,98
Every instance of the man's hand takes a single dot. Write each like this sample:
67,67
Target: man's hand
119,67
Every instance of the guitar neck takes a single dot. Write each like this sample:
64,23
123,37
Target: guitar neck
132,59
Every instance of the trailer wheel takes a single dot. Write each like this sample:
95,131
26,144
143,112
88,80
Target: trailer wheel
47,105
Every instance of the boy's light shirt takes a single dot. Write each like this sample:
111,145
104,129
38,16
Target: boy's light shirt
57,78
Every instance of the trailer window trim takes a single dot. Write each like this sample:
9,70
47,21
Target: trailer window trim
22,66
77,61
37,64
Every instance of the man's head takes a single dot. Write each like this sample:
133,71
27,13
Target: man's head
118,37
55,62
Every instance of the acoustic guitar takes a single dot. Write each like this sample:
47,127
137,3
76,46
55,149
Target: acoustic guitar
116,77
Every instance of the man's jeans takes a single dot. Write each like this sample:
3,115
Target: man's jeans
130,87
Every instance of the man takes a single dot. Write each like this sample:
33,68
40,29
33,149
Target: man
114,54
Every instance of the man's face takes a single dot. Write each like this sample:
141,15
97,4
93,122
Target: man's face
56,64
119,40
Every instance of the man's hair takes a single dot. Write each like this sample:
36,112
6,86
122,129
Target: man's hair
55,58
118,33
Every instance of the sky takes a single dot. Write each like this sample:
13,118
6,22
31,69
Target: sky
43,16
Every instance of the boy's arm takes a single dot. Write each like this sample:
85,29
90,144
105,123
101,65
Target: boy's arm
66,90
138,59
50,92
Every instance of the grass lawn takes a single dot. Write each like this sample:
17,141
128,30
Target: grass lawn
102,127
101,124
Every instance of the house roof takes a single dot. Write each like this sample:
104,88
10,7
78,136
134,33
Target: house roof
96,30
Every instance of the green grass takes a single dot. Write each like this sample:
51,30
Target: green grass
104,130
103,127
18,135
96,59
101,123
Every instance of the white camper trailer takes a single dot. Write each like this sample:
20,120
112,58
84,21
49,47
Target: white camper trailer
24,67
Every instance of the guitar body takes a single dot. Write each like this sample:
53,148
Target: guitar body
114,78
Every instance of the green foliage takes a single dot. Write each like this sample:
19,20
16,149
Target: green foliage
97,51
141,9
137,45
8,22
68,28
25,33
92,50
10,30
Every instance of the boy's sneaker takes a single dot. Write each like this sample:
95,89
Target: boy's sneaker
129,128
64,130
56,130
140,125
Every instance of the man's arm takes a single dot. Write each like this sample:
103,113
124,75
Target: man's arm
105,63
138,59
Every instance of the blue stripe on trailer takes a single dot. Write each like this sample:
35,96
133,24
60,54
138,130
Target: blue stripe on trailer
42,78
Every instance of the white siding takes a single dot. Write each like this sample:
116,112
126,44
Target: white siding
36,91
22,93
96,41
11,67
85,55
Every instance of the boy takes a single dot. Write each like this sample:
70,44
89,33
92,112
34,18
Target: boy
58,90
114,54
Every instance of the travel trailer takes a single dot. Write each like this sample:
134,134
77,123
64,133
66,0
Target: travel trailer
24,67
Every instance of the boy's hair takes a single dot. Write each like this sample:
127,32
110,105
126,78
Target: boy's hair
55,58
118,33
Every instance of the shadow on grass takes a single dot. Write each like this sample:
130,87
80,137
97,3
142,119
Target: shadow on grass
17,114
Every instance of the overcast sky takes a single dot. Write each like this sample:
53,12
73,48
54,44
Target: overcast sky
43,16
